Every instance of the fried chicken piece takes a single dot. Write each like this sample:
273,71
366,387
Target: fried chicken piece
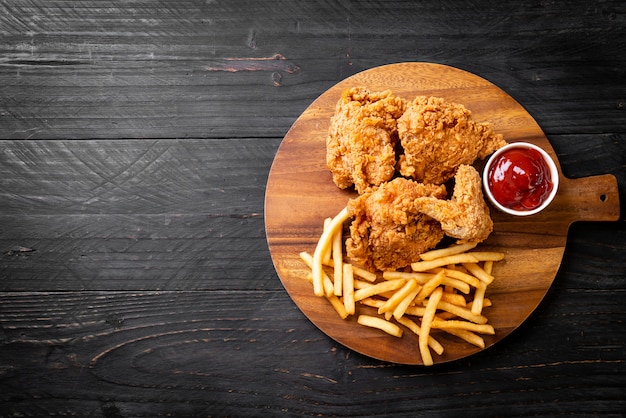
438,136
360,147
466,215
388,232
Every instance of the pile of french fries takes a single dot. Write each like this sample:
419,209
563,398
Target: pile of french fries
434,295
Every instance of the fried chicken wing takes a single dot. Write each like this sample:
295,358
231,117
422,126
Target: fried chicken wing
466,215
388,231
438,136
360,147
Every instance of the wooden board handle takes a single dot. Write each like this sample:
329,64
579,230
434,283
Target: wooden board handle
593,198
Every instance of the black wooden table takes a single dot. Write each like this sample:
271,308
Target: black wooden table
135,144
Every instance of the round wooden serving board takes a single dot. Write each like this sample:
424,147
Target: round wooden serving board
300,195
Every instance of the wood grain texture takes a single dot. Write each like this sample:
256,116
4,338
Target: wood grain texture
144,296
197,353
169,214
102,70
138,252
135,177
300,195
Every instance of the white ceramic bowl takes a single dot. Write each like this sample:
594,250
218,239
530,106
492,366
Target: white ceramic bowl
554,177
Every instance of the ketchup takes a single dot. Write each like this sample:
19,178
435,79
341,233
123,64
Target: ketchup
520,179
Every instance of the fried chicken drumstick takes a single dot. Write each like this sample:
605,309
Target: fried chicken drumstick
466,215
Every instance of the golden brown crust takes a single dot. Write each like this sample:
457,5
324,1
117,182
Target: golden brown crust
395,220
466,215
438,136
388,232
360,148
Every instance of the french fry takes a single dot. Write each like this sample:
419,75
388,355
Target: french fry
420,266
360,284
397,297
453,298
444,252
487,255
327,284
327,254
338,305
427,321
376,322
461,312
308,260
445,316
479,296
479,299
432,292
421,278
432,343
372,302
376,289
469,326
478,271
460,275
338,266
430,286
348,289
404,304
466,335
459,285
415,311
364,274
358,271
334,300
323,245
488,266
387,295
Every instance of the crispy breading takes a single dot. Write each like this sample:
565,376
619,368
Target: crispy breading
360,147
466,215
388,232
438,136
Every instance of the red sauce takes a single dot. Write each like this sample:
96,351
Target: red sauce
520,179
